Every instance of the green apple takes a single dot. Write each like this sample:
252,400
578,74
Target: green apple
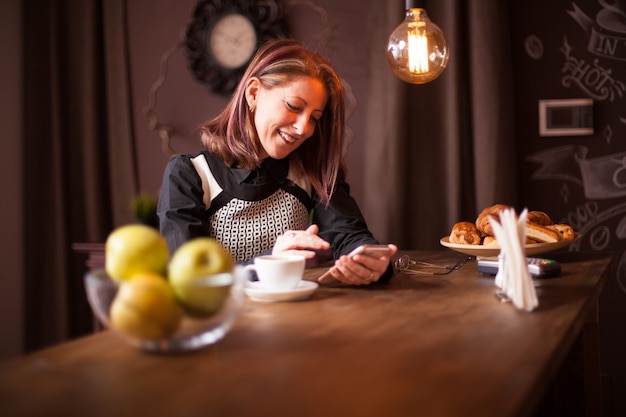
145,307
205,296
135,248
200,272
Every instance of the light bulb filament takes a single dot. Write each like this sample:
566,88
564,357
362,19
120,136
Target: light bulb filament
418,51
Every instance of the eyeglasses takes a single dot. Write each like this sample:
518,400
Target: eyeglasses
406,265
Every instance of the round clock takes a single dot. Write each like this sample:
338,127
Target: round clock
224,35
232,41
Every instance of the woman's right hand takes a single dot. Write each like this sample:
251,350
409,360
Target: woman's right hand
300,242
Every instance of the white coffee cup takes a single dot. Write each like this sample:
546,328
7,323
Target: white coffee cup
278,272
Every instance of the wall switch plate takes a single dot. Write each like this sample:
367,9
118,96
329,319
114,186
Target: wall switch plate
566,117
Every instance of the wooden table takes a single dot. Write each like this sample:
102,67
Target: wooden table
418,346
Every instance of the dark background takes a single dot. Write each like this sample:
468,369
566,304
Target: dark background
562,183
545,38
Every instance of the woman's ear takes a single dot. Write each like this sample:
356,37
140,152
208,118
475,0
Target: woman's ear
252,91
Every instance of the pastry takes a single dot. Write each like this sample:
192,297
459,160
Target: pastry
465,233
540,228
482,221
541,234
539,217
490,241
565,230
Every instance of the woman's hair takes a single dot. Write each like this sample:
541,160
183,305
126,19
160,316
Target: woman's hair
232,136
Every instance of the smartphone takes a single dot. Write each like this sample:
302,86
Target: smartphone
538,267
374,251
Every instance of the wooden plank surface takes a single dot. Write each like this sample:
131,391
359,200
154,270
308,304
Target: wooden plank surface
418,346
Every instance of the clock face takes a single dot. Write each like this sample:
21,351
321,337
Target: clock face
232,41
223,36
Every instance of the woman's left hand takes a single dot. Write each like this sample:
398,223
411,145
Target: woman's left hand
361,269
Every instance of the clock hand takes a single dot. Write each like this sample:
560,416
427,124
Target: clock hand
242,34
226,36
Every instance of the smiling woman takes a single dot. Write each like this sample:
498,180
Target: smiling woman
271,179
285,116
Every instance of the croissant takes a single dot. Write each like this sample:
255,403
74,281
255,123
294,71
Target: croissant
539,228
539,217
482,221
465,233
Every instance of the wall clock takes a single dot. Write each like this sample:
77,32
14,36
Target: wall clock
223,36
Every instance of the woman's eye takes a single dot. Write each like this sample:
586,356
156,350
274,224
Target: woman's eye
296,109
292,107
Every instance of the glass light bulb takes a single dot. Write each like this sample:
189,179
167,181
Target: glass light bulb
417,50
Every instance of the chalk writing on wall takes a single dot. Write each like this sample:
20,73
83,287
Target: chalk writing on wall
534,47
592,78
593,68
606,33
602,178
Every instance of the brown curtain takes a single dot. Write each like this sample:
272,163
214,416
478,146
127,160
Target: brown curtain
440,152
79,163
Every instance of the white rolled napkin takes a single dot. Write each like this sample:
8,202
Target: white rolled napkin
513,276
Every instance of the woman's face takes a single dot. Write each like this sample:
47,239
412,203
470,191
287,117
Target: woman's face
287,115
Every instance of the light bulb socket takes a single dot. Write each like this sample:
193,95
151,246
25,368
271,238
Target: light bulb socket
414,4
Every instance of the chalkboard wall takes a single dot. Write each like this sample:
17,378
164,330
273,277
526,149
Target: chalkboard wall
577,50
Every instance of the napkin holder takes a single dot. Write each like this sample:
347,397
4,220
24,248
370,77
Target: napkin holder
513,276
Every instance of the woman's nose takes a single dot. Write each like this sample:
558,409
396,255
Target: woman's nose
303,127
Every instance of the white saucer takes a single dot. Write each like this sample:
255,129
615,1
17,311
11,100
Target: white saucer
255,291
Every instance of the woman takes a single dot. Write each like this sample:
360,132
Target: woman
271,179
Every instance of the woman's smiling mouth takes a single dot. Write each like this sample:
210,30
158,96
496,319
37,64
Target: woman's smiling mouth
287,138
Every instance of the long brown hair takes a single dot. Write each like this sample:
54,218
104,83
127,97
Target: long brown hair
232,136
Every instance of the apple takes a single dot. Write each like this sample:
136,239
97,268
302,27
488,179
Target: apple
133,249
145,307
200,272
205,296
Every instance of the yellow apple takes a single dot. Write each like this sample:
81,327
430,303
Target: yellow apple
145,307
200,272
135,248
204,296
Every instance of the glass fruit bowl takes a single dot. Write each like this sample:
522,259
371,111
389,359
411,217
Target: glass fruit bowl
155,319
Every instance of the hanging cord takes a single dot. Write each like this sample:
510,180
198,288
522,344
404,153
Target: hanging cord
165,131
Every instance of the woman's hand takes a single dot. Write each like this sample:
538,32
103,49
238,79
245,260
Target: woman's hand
300,242
361,269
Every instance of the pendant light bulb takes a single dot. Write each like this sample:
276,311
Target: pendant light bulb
417,50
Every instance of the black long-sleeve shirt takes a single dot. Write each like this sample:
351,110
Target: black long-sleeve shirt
246,210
